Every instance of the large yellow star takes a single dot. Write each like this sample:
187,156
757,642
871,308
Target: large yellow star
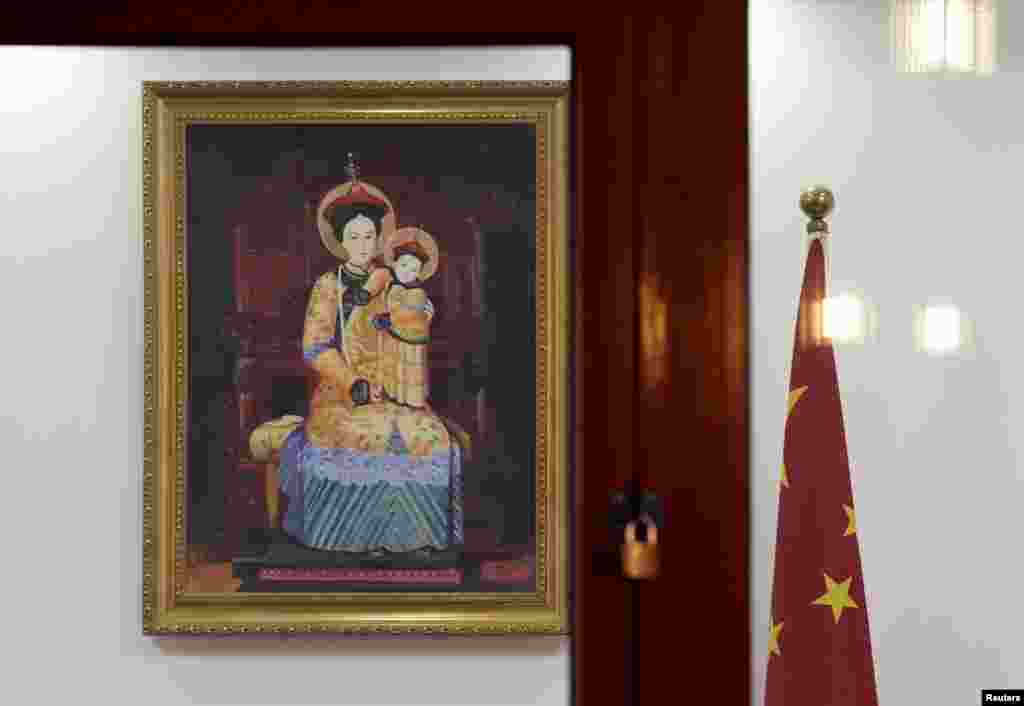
794,397
851,516
837,595
773,640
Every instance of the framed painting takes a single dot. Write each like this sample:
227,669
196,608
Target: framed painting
357,322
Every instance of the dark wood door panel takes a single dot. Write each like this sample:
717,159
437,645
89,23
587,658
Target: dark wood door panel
691,412
602,645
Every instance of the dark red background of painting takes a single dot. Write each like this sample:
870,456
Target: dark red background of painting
254,252
661,191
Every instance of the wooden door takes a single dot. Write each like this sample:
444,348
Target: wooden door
664,211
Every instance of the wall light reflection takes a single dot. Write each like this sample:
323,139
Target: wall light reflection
845,319
941,329
945,36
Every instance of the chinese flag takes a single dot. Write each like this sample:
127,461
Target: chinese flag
819,644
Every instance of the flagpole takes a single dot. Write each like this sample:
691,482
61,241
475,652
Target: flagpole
817,203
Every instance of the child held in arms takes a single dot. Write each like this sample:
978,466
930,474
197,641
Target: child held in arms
406,320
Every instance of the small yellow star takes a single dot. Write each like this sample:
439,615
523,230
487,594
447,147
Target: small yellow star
773,640
852,517
837,595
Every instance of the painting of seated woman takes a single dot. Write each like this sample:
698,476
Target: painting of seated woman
366,472
377,426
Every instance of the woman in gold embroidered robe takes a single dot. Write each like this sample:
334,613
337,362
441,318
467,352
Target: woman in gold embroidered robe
364,472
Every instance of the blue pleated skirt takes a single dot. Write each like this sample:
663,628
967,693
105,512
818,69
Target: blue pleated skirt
348,500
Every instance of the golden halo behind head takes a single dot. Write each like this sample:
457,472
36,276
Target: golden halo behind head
425,240
327,236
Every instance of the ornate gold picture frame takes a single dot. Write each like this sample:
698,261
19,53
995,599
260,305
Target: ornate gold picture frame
357,322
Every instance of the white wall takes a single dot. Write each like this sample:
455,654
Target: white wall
926,174
71,426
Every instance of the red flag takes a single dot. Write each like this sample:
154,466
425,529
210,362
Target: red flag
819,643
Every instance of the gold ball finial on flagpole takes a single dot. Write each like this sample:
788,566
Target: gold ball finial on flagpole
817,203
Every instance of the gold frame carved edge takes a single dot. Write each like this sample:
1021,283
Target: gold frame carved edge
165,609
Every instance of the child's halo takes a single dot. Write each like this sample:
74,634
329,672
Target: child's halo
425,240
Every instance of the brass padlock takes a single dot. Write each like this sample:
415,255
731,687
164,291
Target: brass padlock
640,560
